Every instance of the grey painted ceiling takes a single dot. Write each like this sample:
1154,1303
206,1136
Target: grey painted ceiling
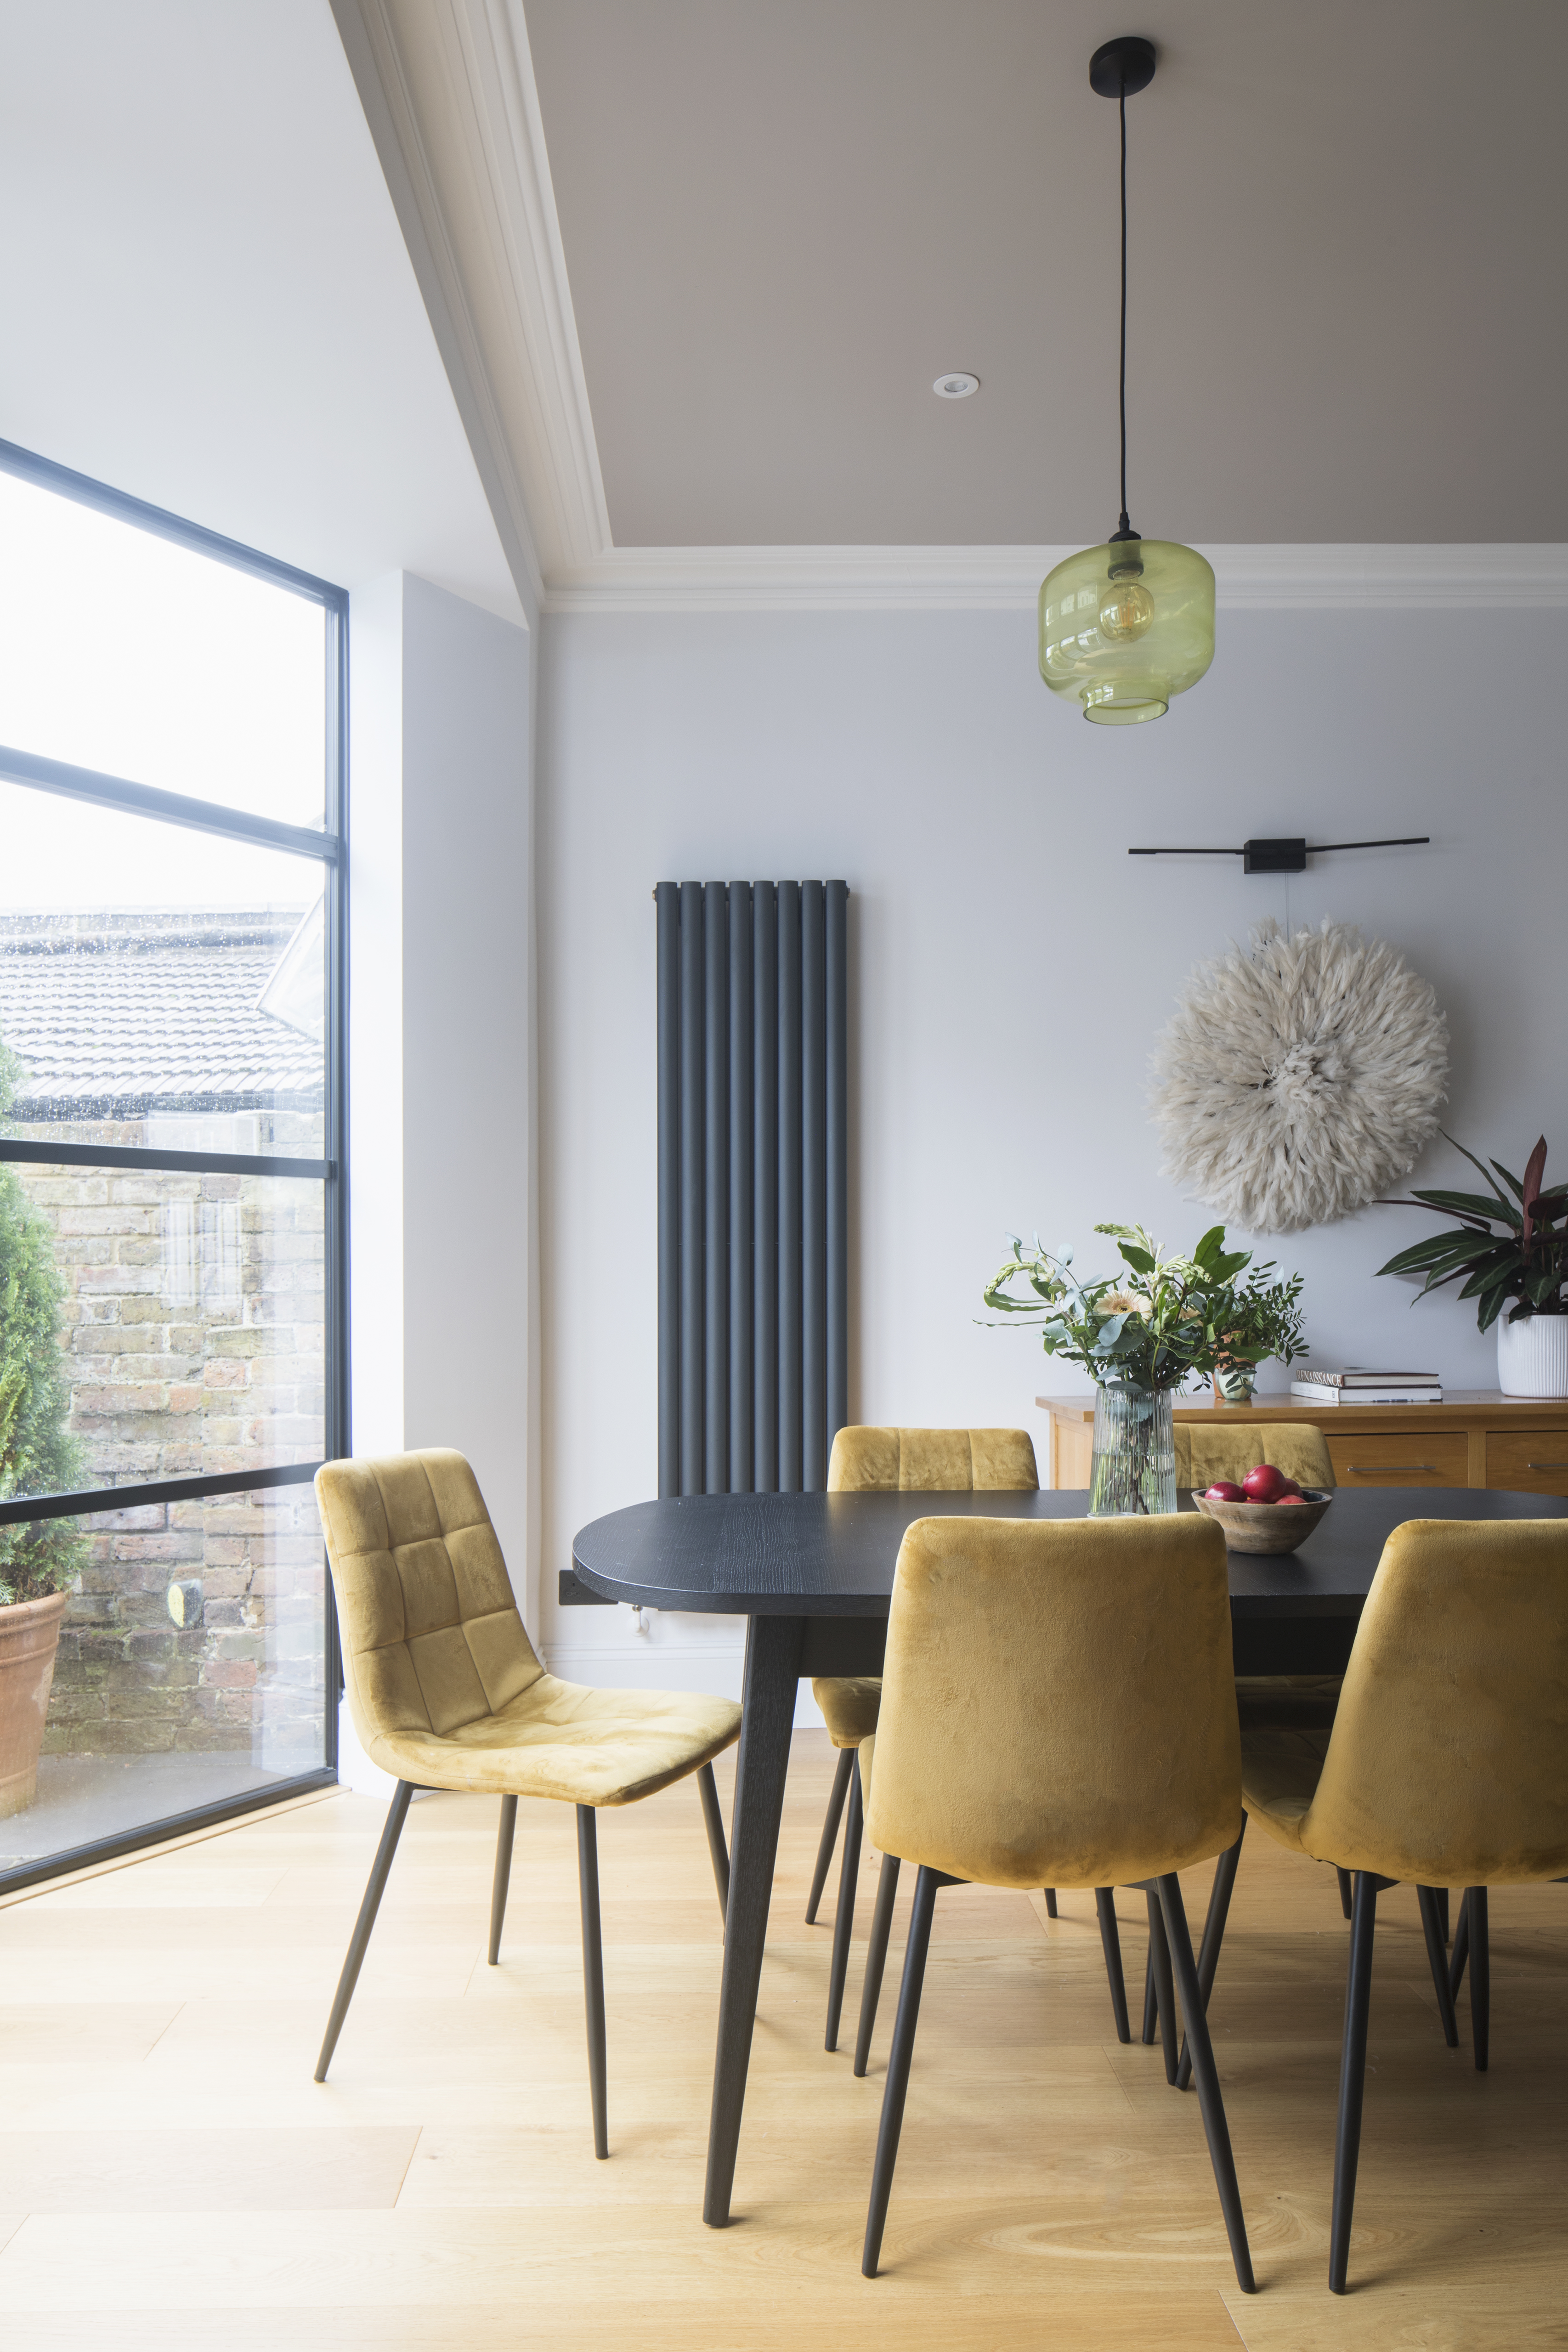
783,218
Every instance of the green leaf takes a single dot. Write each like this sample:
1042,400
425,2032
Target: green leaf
1139,1259
1464,1204
1480,1164
1210,1246
1514,1186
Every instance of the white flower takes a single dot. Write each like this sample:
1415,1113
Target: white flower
1124,1302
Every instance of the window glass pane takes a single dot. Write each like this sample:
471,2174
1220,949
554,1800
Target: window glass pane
139,657
158,986
189,1667
157,1326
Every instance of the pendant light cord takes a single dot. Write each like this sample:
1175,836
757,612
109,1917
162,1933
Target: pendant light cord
1123,381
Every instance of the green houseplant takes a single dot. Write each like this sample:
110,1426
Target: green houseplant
1506,1250
38,1557
1141,1334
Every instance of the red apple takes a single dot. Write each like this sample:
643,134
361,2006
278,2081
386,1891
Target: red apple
1264,1484
1223,1490
1294,1498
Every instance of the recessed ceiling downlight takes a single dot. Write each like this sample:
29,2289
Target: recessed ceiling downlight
956,386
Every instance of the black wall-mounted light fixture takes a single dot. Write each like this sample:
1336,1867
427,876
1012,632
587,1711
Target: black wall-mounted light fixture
1288,853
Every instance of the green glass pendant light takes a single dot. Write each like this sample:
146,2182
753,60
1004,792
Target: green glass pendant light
1125,626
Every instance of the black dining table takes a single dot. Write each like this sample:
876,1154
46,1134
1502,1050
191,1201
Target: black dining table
813,1575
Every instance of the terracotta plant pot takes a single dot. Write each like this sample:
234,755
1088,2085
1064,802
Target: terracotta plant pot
30,1636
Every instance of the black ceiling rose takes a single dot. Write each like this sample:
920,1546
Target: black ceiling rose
1121,68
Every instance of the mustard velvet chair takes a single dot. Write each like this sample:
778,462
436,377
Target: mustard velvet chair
867,1460
1447,1765
1297,1702
447,1692
1057,1706
1231,1448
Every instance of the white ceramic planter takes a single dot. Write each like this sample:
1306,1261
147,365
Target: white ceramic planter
1532,1356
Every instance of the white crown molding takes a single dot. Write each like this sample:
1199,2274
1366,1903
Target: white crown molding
1007,579
449,90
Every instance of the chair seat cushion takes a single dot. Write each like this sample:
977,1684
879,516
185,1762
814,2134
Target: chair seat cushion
1288,1702
1280,1769
581,1745
849,1705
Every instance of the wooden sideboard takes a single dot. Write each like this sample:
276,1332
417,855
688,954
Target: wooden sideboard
1474,1438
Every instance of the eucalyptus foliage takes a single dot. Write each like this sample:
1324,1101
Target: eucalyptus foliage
1502,1248
1160,1321
38,1456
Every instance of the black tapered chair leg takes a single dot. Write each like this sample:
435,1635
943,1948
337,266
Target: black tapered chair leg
829,1839
397,1813
844,1919
1481,1975
1438,1960
504,1837
593,1972
1110,1945
1352,2074
1218,1912
1178,1944
1160,1971
1151,1998
713,1822
1344,1878
1050,1896
1462,1951
899,2058
875,1958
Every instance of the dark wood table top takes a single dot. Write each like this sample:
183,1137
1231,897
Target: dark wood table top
834,1555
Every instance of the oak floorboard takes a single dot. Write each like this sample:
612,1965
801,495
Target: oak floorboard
160,2028
210,2171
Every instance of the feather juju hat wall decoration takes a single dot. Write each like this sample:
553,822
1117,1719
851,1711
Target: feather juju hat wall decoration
1300,1078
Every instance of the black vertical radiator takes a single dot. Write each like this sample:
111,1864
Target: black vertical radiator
753,1280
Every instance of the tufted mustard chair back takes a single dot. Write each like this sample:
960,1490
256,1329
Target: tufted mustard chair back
1449,1760
1233,1448
1059,1706
932,1461
432,1639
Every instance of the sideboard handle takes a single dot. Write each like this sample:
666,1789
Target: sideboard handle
1546,1465
1373,1469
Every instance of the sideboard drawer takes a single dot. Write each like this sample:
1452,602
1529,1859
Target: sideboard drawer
1401,1457
1535,1461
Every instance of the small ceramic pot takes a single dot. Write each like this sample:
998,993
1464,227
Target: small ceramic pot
1270,1527
1237,1387
1532,1356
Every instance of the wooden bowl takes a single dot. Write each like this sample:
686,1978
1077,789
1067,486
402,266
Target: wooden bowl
1267,1526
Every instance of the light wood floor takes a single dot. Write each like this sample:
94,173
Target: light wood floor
170,2176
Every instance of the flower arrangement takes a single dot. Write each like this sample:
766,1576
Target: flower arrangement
1163,1320
1504,1248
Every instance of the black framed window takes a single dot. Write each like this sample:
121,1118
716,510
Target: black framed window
173,1328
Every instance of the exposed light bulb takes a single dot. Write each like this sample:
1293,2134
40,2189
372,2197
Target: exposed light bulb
1128,610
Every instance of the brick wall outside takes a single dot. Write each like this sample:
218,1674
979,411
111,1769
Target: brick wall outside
193,1328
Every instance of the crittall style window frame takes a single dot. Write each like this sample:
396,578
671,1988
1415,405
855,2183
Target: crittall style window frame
329,847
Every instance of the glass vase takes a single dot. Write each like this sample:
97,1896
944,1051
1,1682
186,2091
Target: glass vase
1134,1466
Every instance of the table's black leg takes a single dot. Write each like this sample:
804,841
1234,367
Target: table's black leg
772,1669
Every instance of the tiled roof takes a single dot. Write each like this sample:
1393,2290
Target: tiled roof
117,1016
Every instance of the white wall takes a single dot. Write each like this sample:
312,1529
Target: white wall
1011,966
441,1111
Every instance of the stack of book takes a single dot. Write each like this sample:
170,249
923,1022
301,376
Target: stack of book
1355,1385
